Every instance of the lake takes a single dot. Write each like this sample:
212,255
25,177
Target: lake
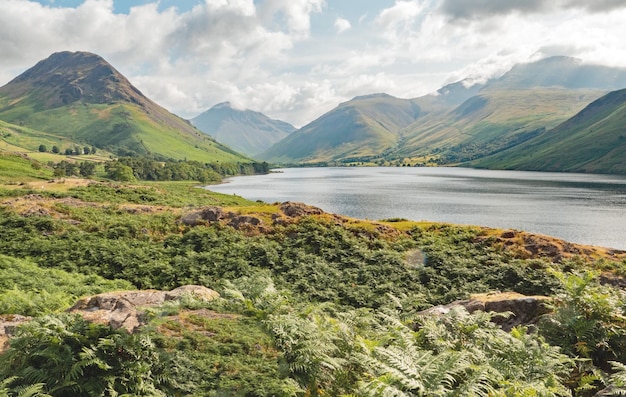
581,208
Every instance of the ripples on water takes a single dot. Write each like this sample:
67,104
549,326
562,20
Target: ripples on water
582,208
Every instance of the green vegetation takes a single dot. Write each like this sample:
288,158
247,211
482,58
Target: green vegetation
88,103
362,127
31,290
311,306
592,141
490,122
15,168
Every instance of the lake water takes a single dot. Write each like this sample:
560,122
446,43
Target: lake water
582,208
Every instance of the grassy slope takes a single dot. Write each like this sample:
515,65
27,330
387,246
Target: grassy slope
592,141
15,168
492,121
120,125
364,126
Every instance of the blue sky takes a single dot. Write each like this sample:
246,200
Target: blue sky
296,59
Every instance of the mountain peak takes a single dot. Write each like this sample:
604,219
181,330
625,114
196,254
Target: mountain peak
561,71
79,95
222,105
66,77
371,96
246,131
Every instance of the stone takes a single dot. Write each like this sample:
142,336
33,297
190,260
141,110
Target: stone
197,291
294,209
124,309
526,310
240,221
207,214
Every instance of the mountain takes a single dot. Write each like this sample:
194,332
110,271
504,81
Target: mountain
490,122
364,126
460,122
246,131
594,140
560,71
79,96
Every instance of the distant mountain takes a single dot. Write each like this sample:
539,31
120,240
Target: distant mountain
460,122
594,140
79,96
560,71
246,131
364,126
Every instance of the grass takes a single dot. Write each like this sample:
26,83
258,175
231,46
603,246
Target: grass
501,122
15,168
23,139
593,141
114,126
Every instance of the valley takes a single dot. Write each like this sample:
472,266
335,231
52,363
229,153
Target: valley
120,276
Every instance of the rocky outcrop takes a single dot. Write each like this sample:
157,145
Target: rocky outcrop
524,309
203,215
124,309
216,214
529,245
241,221
293,209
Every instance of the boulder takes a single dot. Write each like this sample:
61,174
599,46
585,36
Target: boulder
241,221
206,214
124,309
525,309
197,291
293,209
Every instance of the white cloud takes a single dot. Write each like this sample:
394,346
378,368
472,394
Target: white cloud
400,13
341,25
296,14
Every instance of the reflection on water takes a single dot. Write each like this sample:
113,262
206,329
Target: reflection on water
583,208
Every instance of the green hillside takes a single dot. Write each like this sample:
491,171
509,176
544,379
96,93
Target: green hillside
490,122
15,168
594,140
15,138
362,127
80,97
461,122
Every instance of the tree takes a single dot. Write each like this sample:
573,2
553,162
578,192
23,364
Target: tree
68,152
43,148
119,172
55,149
86,150
87,168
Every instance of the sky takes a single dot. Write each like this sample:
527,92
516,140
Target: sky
297,59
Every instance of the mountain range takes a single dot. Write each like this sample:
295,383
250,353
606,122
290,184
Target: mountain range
461,122
78,97
594,140
246,131
555,114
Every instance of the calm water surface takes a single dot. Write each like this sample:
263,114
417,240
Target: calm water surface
582,208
